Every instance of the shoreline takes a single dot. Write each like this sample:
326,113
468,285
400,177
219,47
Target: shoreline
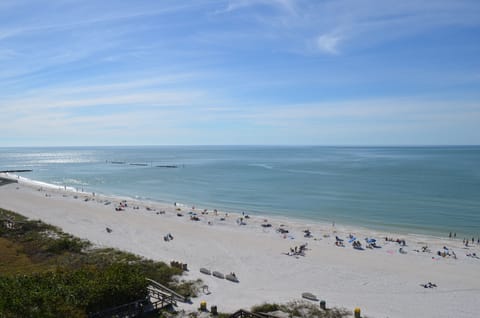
384,228
341,275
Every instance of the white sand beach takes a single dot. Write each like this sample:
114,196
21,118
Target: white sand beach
381,281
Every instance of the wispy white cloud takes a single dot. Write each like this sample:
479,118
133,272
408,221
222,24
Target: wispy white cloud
328,43
100,17
362,23
109,85
284,5
153,99
368,23
378,120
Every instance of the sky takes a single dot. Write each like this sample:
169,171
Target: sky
231,72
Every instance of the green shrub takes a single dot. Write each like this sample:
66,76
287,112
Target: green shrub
62,278
66,244
265,308
71,293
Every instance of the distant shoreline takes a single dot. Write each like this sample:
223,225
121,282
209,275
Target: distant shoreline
12,178
386,228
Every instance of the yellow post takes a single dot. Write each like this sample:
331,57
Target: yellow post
203,305
356,312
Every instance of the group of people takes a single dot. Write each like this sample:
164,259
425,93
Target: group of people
357,245
339,242
121,206
466,241
298,250
402,242
447,253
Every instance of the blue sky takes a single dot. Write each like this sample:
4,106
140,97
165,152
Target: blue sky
340,72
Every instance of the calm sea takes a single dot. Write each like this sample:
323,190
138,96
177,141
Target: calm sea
428,190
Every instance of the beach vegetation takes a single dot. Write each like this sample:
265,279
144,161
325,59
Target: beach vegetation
45,272
265,307
302,309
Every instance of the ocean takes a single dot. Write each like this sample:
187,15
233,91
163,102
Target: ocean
424,190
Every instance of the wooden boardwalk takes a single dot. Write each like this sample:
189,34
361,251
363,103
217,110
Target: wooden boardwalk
159,297
246,314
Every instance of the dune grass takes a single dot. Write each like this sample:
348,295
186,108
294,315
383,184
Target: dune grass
302,309
45,272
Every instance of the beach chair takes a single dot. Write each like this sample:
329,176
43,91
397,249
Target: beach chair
232,277
218,275
309,296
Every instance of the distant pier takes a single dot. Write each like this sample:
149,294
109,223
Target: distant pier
140,164
9,179
15,171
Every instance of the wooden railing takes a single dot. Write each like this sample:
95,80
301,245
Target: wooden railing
246,314
165,290
158,297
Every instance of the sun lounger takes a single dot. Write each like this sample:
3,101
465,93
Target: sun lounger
232,278
205,271
310,296
218,275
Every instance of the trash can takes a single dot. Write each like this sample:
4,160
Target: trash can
323,304
203,305
213,310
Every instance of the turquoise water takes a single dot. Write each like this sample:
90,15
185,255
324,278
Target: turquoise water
429,190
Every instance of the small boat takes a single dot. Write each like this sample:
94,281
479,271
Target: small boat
310,296
218,275
205,271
